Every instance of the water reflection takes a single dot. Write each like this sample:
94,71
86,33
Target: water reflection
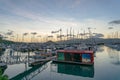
31,73
114,55
11,57
70,69
100,48
14,57
104,63
1,53
2,69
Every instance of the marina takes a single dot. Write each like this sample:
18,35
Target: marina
75,59
105,59
59,40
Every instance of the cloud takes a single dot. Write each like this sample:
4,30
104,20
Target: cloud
98,35
115,22
25,10
76,3
30,21
3,24
69,4
48,24
110,27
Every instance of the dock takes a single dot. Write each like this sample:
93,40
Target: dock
41,61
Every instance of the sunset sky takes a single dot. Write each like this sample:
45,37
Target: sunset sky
44,16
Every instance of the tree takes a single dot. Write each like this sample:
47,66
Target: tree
0,38
3,77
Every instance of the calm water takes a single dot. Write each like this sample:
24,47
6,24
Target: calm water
106,67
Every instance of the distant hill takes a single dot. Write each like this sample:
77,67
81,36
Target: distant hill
6,41
49,43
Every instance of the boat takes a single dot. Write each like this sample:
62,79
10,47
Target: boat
82,57
3,65
2,49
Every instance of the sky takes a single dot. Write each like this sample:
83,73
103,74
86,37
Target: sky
44,16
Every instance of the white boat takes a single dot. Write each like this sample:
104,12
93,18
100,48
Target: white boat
3,65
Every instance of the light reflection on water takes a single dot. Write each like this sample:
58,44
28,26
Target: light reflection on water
114,55
106,67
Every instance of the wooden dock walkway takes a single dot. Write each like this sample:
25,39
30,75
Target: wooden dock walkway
41,61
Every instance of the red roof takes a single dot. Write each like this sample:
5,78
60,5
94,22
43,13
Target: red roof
76,51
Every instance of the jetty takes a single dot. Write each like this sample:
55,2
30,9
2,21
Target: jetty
41,61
